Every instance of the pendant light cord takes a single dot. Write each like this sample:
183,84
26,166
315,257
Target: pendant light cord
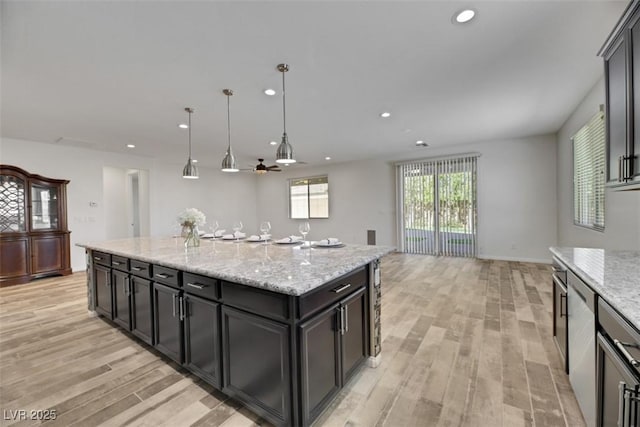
228,123
284,110
189,134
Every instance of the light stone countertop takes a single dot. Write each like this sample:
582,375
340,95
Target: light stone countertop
614,275
287,269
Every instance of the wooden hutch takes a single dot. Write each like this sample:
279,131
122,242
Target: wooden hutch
34,239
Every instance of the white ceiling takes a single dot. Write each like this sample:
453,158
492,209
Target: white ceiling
104,74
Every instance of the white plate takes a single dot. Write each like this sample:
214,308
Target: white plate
328,245
249,239
288,242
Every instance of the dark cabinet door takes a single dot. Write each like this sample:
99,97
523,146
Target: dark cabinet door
320,362
633,150
121,305
616,93
614,408
560,321
256,363
168,324
103,294
354,333
202,338
141,309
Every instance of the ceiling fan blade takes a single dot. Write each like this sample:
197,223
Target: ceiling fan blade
273,167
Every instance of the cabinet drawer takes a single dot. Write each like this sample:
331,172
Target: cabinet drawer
101,258
331,292
269,304
141,269
206,287
167,276
618,329
120,263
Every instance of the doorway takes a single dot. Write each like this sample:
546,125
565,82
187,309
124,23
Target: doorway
438,206
126,202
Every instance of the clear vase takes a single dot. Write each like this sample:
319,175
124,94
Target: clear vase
191,236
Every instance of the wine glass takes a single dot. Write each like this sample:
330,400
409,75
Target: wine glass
265,227
214,227
304,228
237,226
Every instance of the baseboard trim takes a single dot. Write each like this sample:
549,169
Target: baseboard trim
516,259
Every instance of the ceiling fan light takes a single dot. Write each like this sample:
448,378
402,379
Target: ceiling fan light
229,162
190,170
284,154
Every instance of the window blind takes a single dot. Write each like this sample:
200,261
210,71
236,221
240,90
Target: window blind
589,174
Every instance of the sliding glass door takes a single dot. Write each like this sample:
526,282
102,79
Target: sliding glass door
438,209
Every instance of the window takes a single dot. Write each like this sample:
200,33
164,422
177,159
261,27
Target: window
589,174
309,197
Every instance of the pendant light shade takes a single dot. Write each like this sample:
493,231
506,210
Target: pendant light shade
229,161
190,171
284,154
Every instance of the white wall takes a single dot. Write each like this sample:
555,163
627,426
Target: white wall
622,208
361,198
114,202
225,196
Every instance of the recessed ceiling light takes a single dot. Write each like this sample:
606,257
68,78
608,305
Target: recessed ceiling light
183,126
385,114
269,92
273,143
327,158
464,16
131,146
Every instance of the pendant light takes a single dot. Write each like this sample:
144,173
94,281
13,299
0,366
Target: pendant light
285,151
229,161
190,170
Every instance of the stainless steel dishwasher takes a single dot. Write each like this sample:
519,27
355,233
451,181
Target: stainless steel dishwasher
582,345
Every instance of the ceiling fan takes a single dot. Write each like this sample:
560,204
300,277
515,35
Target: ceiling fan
261,168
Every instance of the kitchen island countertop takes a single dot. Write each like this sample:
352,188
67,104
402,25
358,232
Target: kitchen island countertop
613,274
287,269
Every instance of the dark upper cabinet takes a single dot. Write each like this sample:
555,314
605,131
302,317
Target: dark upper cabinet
167,314
202,338
616,118
121,285
621,54
142,309
102,290
33,226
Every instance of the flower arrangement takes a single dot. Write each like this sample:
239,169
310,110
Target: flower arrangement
191,217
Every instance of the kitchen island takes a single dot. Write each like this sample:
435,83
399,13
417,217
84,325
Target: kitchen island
281,328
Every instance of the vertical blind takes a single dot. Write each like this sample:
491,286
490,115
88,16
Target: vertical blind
437,201
589,174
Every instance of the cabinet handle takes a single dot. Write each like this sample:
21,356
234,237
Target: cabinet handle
181,307
116,263
346,318
197,285
97,258
162,275
621,346
563,297
620,169
342,321
173,297
136,268
341,288
128,286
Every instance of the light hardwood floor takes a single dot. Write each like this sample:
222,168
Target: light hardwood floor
465,343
